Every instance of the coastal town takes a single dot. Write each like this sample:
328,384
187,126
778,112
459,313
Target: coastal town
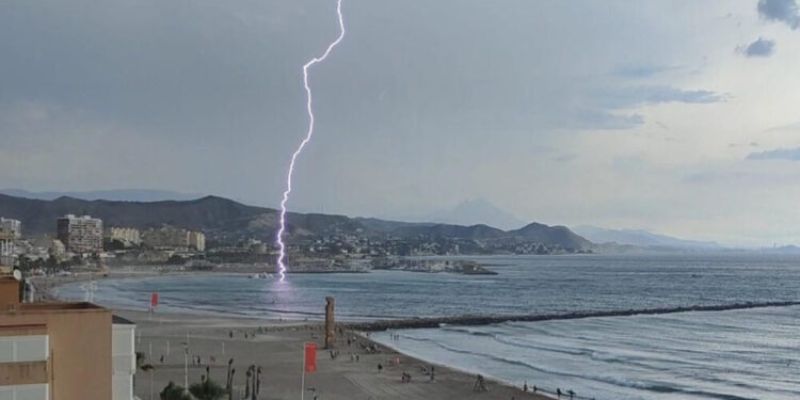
84,242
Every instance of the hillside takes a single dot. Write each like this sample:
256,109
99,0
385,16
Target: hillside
224,220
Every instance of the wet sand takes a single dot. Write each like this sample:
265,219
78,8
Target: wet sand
278,348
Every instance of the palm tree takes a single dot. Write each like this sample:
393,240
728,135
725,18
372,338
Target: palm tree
258,382
249,375
207,390
174,392
149,368
230,386
229,380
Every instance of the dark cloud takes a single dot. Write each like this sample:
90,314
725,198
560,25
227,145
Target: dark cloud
760,48
785,11
792,154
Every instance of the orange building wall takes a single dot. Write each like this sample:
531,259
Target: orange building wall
80,348
9,292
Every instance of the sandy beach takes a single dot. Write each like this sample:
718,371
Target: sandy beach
277,348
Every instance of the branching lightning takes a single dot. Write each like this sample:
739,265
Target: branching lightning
309,135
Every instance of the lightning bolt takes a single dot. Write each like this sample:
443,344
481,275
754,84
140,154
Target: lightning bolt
309,135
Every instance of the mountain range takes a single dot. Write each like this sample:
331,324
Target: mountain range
641,238
115,194
228,221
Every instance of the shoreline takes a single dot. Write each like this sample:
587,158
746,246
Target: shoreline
272,336
276,346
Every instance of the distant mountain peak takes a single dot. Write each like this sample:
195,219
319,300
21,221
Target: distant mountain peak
639,237
476,211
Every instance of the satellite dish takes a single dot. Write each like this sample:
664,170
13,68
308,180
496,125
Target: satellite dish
17,274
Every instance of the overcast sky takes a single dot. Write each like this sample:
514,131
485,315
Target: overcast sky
680,117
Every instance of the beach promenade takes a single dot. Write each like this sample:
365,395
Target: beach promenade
277,347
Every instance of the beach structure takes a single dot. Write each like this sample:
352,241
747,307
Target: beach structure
330,324
64,351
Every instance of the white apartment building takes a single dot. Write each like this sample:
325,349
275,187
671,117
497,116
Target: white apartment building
128,236
123,353
197,241
11,225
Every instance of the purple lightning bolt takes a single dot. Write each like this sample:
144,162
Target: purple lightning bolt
309,135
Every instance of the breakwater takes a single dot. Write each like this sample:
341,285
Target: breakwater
475,320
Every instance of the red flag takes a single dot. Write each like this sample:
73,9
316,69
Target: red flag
154,300
311,357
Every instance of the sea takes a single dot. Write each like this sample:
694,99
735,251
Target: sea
749,353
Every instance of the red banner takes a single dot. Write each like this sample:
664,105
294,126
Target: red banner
311,357
154,300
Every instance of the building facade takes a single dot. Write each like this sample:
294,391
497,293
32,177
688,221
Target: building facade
197,241
123,354
128,236
64,351
7,248
172,238
12,226
81,235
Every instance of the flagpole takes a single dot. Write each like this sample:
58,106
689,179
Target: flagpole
303,379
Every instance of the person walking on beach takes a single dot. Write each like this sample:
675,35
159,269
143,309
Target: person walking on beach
433,373
480,384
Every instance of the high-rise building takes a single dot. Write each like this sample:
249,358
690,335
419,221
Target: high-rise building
81,235
65,351
12,226
197,241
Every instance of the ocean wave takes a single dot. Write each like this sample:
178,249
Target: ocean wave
651,386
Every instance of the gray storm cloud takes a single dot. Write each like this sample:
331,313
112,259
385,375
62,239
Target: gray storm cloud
785,11
759,48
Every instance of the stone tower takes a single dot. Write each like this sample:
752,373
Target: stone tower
330,325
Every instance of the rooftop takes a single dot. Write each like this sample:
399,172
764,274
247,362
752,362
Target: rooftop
116,319
35,308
